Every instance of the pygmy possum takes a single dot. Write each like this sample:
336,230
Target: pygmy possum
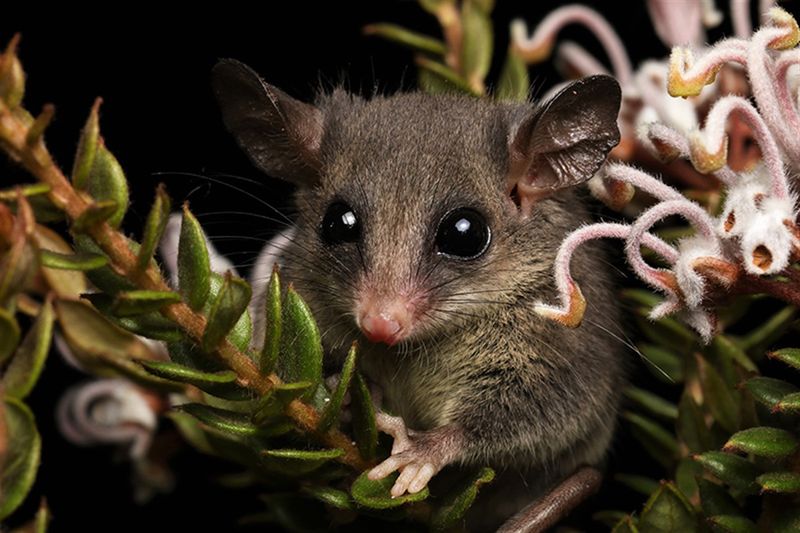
426,228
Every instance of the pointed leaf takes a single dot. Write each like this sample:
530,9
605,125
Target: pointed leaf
641,484
789,404
458,503
80,261
104,278
107,182
221,420
376,495
139,302
273,322
715,500
731,469
769,391
732,524
337,499
273,404
763,441
35,189
726,347
95,214
26,366
664,364
415,41
297,462
790,356
691,425
718,396
150,325
476,44
331,414
514,83
194,270
221,384
241,334
18,467
228,307
364,427
780,482
154,227
87,148
65,283
301,344
667,510
652,402
686,475
659,442
9,334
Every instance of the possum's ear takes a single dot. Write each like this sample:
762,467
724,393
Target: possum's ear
281,135
564,141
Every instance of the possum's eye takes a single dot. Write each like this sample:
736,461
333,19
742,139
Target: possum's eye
463,234
340,224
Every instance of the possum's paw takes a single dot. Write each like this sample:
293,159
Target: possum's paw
417,455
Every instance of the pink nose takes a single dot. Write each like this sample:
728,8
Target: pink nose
380,328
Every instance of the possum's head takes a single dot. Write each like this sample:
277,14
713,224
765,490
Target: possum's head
418,212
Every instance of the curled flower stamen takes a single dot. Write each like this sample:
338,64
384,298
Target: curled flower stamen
687,76
539,45
573,304
642,180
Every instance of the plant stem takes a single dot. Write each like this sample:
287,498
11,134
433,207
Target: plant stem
34,157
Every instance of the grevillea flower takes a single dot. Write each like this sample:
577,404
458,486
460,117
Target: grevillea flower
756,232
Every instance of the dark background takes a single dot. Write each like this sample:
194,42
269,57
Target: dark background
151,66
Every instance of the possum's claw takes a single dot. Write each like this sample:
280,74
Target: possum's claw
418,455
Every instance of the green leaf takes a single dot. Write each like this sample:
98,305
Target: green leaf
150,325
273,322
87,148
107,182
101,346
26,366
436,77
34,189
229,305
301,344
667,510
715,499
763,441
732,524
476,45
194,268
790,356
514,83
719,397
65,283
664,364
732,470
221,384
96,213
769,391
411,39
337,499
154,227
726,347
769,331
140,302
686,475
452,511
221,420
297,462
104,278
486,6
658,442
376,495
9,334
789,404
242,333
628,524
653,403
331,413
364,427
691,425
780,482
665,332
79,261
641,484
18,467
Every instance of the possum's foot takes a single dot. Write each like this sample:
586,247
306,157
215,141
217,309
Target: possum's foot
418,455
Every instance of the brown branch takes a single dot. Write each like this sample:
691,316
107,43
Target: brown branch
34,157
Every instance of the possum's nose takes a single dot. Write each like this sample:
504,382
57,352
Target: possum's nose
384,323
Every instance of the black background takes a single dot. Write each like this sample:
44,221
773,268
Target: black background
151,65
